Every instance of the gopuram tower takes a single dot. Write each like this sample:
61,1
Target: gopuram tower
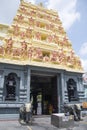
37,37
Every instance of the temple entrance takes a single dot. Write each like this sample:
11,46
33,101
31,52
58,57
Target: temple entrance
44,93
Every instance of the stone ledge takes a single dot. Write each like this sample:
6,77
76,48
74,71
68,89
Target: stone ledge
61,121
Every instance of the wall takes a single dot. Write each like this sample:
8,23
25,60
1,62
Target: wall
21,88
79,83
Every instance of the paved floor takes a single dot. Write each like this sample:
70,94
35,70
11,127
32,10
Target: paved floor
42,123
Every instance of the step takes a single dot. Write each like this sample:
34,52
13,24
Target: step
9,116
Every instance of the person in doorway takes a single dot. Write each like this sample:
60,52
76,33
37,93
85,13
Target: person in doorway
35,108
34,104
50,108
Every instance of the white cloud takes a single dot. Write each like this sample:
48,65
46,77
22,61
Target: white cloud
83,54
84,64
66,10
83,49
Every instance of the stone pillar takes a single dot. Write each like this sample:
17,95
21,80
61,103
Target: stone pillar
28,85
60,88
1,85
1,78
58,91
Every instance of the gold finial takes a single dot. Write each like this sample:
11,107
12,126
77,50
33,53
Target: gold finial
21,0
41,4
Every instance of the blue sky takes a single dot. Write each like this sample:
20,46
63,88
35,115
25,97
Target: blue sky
72,14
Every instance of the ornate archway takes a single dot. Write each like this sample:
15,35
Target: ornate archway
72,90
10,86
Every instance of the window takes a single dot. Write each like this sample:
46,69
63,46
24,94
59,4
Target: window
46,54
43,37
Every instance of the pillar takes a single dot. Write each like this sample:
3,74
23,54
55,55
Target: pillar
28,84
60,89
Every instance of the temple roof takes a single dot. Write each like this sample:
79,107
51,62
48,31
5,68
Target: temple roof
37,37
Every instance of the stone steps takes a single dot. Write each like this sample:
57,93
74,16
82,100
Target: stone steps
16,116
9,116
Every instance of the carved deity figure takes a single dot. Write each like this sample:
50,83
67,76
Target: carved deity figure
9,46
70,59
23,9
23,50
31,21
53,56
28,33
9,43
48,17
50,38
37,54
51,26
60,29
20,18
33,13
24,45
38,36
61,57
56,39
30,52
37,23
22,35
47,26
46,58
65,41
16,52
16,30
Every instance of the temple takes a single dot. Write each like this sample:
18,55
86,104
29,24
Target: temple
37,62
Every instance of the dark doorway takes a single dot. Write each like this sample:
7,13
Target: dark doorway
44,93
72,90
